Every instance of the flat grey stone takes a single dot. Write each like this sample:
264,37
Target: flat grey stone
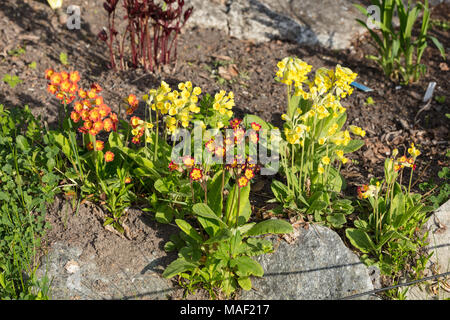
92,282
438,226
317,266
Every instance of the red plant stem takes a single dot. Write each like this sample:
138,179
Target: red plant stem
149,46
132,40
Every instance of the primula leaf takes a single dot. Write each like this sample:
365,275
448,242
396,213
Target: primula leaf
353,146
360,240
189,230
164,214
178,266
215,194
246,266
22,143
337,219
245,283
272,226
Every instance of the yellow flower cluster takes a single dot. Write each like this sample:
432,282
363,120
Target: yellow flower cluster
343,78
222,105
357,131
292,70
413,151
177,105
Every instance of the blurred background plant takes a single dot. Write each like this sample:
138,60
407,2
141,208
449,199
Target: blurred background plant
152,31
399,52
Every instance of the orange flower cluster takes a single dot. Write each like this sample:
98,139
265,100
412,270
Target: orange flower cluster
133,103
62,84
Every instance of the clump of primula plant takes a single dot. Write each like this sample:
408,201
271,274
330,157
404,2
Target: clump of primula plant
152,31
94,159
315,144
387,230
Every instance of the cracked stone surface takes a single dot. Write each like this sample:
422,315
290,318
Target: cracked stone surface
317,266
330,23
90,282
438,227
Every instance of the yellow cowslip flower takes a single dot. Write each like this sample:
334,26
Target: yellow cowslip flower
149,125
173,111
332,130
148,139
185,124
135,132
320,169
284,117
326,160
413,151
197,91
220,125
394,153
185,94
181,86
344,160
340,153
357,130
321,141
292,70
229,113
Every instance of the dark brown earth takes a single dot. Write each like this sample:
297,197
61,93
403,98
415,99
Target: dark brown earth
389,122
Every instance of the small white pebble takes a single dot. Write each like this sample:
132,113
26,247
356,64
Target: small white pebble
72,266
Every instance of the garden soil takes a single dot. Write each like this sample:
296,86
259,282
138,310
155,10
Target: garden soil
212,60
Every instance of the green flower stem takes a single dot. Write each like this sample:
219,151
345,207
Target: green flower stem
155,155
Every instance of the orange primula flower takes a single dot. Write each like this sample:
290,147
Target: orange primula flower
196,174
52,88
74,76
104,110
249,174
93,132
65,86
98,126
48,73
107,124
82,94
84,114
78,106
135,121
92,94
94,114
96,87
173,166
99,100
64,75
109,156
87,124
75,116
242,182
255,126
132,100
55,79
99,145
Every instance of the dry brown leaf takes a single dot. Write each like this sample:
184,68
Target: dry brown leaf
443,66
229,72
